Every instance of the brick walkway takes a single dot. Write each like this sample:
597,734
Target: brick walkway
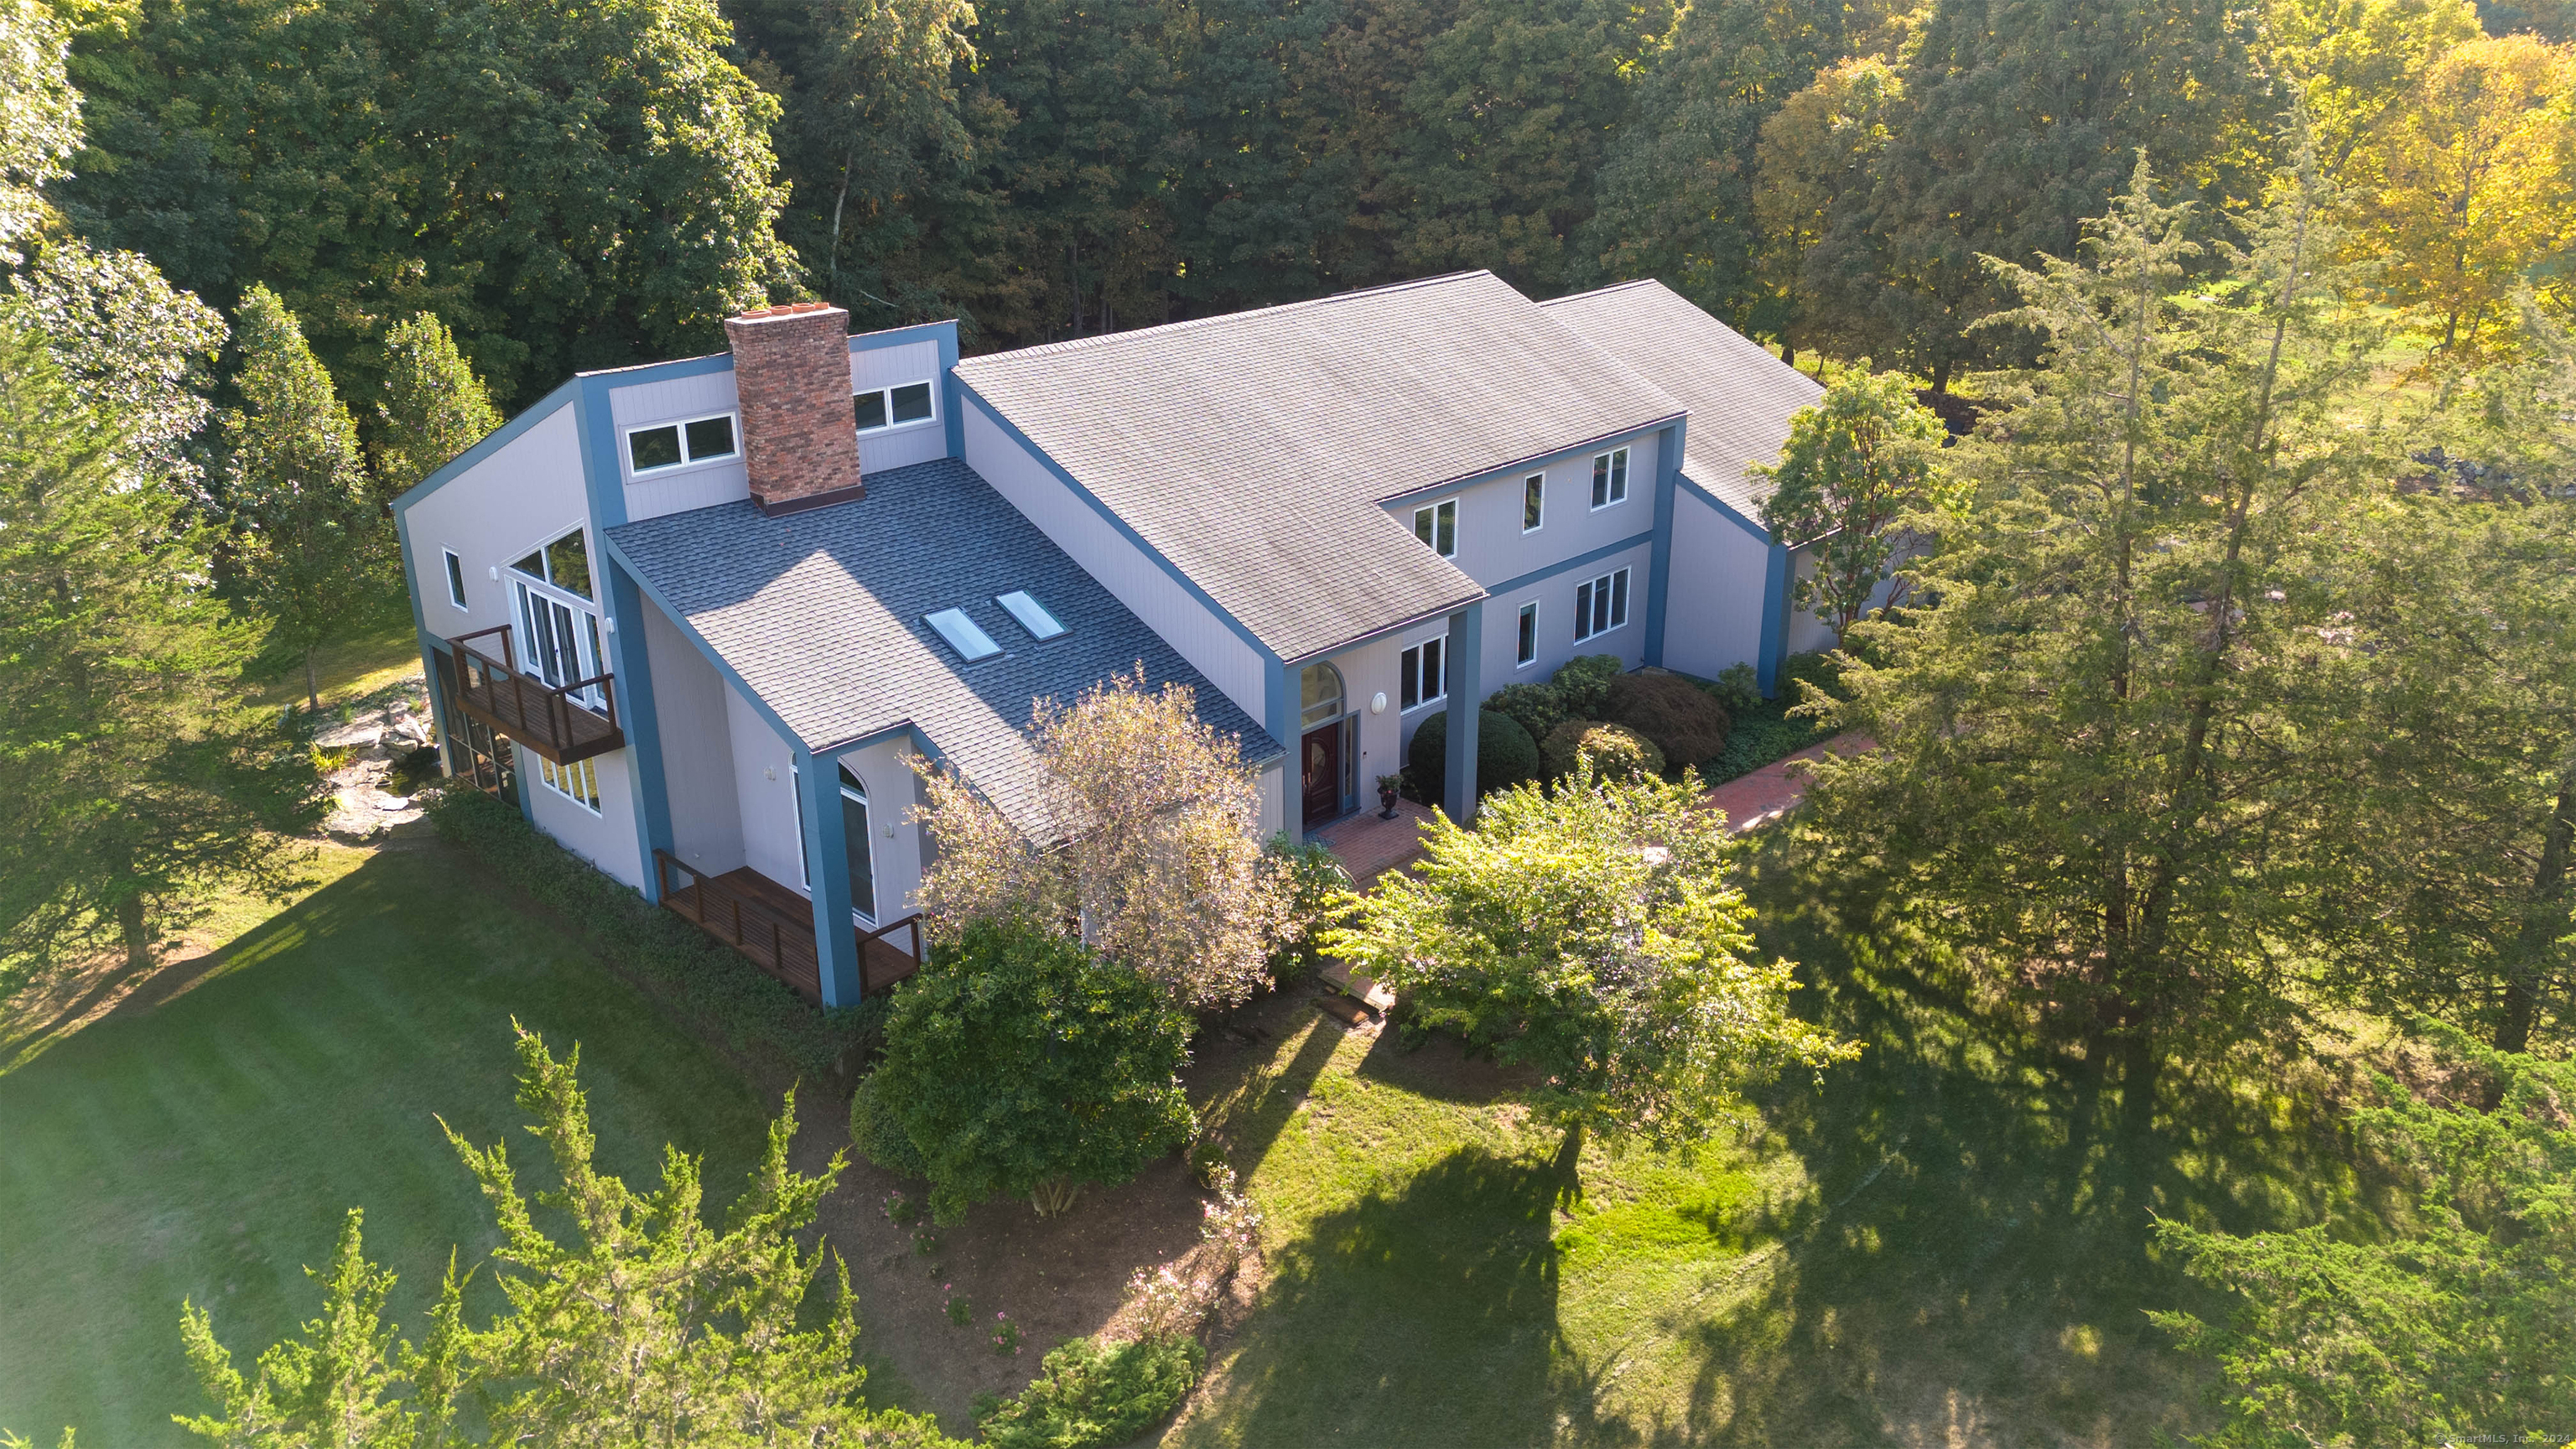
1767,793
1367,846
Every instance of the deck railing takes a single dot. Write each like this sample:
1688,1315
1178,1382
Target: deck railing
775,942
555,720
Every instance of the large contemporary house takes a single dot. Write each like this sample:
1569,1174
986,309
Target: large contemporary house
698,618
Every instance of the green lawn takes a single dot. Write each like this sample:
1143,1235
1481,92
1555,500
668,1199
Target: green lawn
1945,1244
206,1148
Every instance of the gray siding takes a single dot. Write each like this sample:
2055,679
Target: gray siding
1713,607
765,783
1368,673
525,494
697,748
1154,596
677,490
894,846
607,839
1491,545
1554,596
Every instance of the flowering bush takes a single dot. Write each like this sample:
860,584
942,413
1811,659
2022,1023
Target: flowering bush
1006,1334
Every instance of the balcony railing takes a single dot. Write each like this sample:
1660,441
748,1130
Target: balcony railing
773,926
557,721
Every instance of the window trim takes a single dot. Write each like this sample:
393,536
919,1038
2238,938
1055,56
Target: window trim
1534,490
456,579
1619,585
959,648
1433,510
1004,600
1526,646
1412,674
1611,468
548,769
886,390
686,461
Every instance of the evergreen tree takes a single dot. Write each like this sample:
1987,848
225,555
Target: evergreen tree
309,535
2099,753
131,780
433,407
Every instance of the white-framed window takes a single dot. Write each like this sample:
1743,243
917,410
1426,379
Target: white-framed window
1423,676
1533,502
1610,478
1600,605
1033,616
559,629
676,445
455,578
1527,652
576,782
878,408
963,634
1436,524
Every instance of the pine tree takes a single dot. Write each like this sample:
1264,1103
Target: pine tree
433,407
309,534
132,781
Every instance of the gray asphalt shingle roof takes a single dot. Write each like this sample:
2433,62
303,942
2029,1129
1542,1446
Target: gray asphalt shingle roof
820,613
1739,395
1251,450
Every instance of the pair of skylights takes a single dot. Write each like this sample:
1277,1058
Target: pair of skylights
971,642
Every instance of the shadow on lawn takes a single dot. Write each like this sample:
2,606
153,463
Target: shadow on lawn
1975,1264
1459,1344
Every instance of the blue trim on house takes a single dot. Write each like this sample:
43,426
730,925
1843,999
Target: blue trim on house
908,332
1775,619
1725,510
1464,661
499,438
1125,529
827,876
750,696
639,715
953,421
1668,471
1538,576
1601,444
1286,705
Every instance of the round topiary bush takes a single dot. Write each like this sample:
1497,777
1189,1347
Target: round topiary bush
1680,717
1617,751
1505,755
1582,684
1538,707
1094,1394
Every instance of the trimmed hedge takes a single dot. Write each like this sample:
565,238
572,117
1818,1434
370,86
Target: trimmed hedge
1685,722
1089,1395
1582,684
710,985
1618,752
1505,756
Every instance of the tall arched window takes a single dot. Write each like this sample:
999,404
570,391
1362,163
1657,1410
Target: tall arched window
1322,692
854,832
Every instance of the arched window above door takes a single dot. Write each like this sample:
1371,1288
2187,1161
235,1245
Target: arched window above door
1321,691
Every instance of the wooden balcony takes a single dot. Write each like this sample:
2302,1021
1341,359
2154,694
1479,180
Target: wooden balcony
555,721
773,926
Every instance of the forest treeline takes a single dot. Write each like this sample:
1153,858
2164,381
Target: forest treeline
582,185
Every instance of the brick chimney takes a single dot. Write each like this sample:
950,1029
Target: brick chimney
791,370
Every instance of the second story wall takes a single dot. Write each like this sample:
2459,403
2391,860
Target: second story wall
525,494
1494,545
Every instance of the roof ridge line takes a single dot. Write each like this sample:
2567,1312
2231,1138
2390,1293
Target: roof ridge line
1100,339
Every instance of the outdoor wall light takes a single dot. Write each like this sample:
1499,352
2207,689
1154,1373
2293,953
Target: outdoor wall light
1377,702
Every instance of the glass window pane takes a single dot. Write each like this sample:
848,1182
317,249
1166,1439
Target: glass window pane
1600,603
1320,691
870,410
857,842
1601,480
1529,634
1618,598
654,447
1031,614
1533,501
912,402
534,565
568,564
1618,475
1582,611
456,581
1431,680
1447,547
1409,691
710,438
963,636
1422,524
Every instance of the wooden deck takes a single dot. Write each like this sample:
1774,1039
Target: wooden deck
547,720
1368,847
772,925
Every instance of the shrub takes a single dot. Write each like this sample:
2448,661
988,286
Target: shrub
1089,1394
1618,752
709,984
1739,688
1682,720
1316,880
1537,708
1583,684
1505,756
1019,1063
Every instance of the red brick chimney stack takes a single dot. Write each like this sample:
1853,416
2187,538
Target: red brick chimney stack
791,370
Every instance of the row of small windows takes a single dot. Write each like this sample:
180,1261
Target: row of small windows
1436,524
702,440
968,637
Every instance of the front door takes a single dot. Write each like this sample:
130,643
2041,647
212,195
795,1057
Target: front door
1322,753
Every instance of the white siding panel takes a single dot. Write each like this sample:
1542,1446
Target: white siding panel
1190,627
1491,545
1368,673
1713,612
1554,596
765,782
899,447
901,363
607,839
525,493
894,847
700,486
697,748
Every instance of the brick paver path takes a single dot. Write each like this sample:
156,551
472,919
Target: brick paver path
1366,845
1767,793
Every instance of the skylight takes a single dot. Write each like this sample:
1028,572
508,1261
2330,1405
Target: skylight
1031,614
970,642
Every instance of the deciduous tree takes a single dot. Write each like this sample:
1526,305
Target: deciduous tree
1855,485
1592,934
1813,165
433,407
44,116
135,346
